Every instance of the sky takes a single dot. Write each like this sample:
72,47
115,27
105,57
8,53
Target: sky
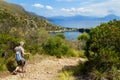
49,8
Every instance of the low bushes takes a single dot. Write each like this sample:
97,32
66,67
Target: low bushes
56,46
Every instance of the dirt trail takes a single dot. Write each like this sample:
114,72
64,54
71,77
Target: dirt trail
46,69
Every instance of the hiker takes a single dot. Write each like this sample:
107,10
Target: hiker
19,51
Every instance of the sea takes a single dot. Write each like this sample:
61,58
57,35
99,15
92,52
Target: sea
76,24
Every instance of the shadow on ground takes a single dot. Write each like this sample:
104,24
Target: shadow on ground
76,72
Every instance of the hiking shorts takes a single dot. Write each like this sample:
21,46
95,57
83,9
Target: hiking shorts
21,62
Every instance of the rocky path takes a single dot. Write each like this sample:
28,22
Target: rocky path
46,69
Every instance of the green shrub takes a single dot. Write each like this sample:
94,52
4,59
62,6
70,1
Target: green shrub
56,46
53,46
113,74
102,49
74,53
35,40
84,36
2,65
60,35
65,75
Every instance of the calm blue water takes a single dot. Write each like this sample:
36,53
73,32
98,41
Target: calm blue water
69,35
76,24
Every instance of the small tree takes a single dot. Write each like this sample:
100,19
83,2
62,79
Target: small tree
60,35
83,38
55,46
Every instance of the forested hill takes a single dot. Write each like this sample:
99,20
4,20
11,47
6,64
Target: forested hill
12,15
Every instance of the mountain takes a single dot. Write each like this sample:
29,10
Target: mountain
80,21
110,17
84,18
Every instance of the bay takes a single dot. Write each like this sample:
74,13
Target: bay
72,35
69,35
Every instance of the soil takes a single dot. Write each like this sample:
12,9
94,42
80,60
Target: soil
45,69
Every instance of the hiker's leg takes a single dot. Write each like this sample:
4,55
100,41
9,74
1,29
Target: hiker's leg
23,65
18,66
23,69
16,69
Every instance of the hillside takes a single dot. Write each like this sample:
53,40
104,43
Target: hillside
12,8
15,15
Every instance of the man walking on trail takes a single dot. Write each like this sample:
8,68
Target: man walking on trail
19,51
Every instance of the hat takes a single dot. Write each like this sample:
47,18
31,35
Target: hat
21,43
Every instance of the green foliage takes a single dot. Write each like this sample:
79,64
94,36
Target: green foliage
72,53
2,64
7,44
83,36
103,49
66,75
68,72
35,40
60,35
56,46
